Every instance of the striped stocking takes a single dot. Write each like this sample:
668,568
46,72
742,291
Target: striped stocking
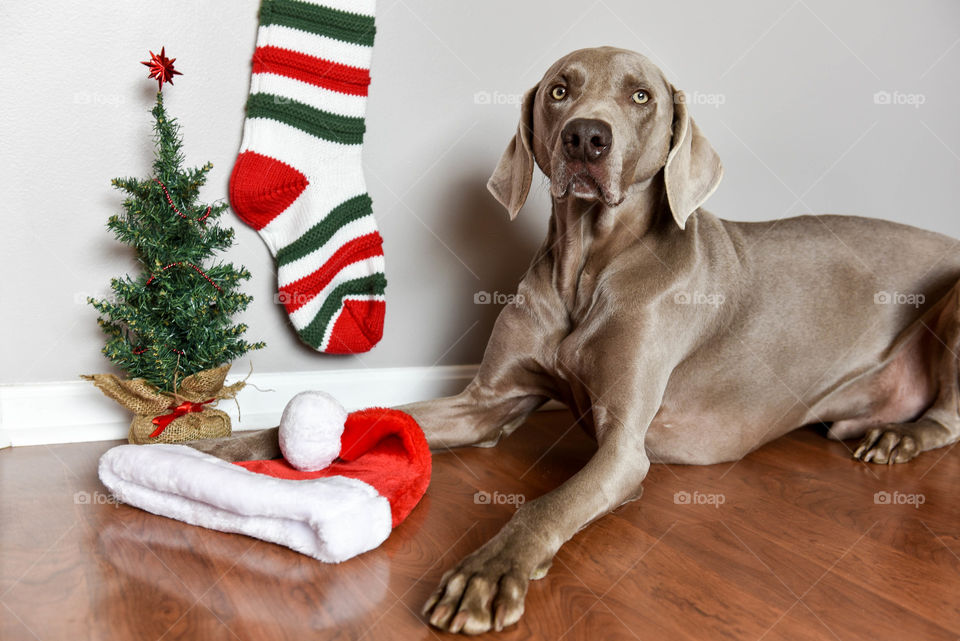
298,179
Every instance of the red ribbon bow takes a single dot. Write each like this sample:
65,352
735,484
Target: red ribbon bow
178,410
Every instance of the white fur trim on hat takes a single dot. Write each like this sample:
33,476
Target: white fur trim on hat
310,430
330,519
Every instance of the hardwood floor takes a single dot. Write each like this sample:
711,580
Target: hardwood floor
791,543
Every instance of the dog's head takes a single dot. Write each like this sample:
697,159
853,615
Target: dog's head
600,121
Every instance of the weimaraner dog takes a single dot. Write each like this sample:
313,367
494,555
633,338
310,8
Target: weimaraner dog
678,337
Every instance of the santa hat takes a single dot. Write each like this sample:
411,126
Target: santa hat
346,482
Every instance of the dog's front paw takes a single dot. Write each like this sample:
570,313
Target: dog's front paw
484,591
889,444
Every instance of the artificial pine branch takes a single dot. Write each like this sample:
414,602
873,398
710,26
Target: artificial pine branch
179,323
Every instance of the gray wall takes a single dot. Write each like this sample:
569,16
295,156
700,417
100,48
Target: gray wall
784,90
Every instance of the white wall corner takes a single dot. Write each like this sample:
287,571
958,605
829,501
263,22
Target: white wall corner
76,411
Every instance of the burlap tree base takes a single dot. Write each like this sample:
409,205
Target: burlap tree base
160,417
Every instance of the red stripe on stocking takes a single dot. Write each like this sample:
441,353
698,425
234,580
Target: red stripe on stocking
316,71
298,293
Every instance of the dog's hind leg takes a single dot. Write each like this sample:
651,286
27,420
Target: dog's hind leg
479,415
939,425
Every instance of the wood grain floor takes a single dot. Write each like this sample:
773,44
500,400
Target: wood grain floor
791,543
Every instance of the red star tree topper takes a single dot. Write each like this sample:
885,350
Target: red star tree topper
161,68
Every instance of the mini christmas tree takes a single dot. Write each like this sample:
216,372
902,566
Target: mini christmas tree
173,320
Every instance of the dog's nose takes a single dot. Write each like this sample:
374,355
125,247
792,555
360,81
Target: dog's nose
586,139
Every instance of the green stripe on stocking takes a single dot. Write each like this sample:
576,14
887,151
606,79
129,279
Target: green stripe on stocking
347,130
318,235
323,21
367,286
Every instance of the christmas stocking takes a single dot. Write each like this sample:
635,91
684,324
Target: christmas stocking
298,179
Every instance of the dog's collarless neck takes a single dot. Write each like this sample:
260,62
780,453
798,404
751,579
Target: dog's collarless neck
585,235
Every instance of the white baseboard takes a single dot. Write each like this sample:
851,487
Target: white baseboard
76,411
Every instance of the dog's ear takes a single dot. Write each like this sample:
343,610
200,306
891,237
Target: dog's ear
693,168
510,182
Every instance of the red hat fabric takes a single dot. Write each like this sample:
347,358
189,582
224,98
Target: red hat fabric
384,448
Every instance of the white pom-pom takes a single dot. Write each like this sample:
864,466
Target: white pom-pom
310,430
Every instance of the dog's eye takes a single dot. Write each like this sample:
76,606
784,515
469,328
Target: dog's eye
640,97
558,93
